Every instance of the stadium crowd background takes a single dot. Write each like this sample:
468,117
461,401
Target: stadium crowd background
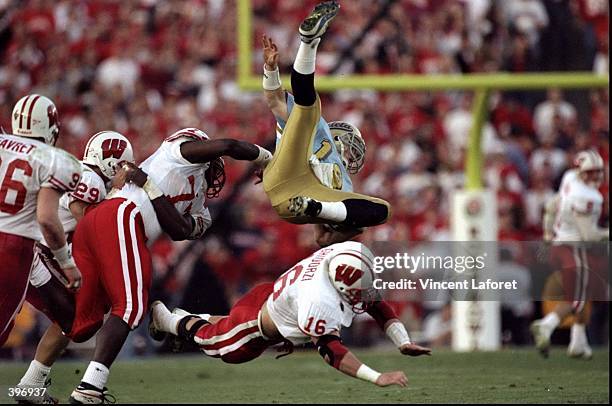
148,68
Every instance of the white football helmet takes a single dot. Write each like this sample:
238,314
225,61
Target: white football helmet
106,149
350,143
351,274
590,167
35,116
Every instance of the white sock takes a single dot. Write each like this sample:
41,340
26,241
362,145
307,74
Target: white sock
550,322
578,335
306,57
333,211
96,375
204,316
36,375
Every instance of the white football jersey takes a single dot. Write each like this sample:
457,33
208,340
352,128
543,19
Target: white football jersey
91,190
304,303
575,196
182,181
26,165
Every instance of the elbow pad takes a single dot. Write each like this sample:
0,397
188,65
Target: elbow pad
332,350
382,313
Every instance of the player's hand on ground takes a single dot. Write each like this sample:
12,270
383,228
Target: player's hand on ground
414,350
270,52
392,378
73,275
134,174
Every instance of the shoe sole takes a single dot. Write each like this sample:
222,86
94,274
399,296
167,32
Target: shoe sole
321,16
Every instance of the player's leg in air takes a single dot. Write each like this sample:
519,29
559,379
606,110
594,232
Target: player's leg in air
297,192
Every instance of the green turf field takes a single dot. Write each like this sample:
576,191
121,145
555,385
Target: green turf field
510,376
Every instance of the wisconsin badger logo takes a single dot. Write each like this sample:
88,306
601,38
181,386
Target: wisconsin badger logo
113,148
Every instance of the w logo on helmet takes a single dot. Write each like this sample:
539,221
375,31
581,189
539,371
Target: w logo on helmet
113,148
348,274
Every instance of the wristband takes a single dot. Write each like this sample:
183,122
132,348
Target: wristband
271,79
63,256
151,189
398,334
264,156
367,374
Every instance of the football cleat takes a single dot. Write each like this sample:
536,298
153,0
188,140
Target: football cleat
86,393
582,351
541,338
304,206
157,309
315,25
45,399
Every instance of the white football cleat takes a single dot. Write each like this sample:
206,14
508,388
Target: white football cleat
45,399
158,309
89,394
315,25
541,337
582,350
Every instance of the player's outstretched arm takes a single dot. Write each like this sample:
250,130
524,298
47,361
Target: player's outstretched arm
387,320
273,90
205,151
330,347
53,232
171,221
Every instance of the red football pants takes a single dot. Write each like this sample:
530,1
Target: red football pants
16,255
109,247
236,338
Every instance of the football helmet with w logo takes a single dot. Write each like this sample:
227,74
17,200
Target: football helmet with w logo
106,149
351,273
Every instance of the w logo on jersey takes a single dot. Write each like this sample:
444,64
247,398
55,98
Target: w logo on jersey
348,274
113,147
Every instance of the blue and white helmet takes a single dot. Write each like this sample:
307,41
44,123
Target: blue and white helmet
350,143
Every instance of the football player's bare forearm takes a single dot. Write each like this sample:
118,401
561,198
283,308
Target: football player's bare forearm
77,209
171,221
48,219
350,364
550,212
276,103
206,151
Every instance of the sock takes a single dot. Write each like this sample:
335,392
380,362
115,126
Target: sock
333,211
578,334
306,57
204,316
96,375
551,321
36,375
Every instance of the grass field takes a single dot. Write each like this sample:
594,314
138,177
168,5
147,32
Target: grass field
510,376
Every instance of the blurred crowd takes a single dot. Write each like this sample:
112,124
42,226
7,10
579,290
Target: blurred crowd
150,67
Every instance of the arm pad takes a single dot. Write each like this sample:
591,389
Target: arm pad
330,347
382,313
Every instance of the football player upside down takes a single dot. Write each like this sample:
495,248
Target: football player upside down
311,302
308,179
